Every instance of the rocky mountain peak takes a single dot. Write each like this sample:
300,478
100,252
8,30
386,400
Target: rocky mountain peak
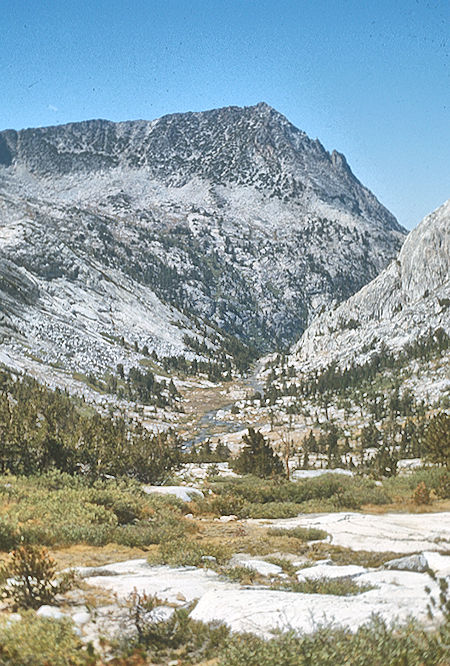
407,302
249,146
425,255
145,230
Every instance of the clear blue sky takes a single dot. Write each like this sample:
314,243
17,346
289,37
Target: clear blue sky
370,78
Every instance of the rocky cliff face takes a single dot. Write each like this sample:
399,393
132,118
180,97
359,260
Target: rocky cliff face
410,299
229,220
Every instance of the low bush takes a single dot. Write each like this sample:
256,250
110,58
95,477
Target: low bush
70,512
178,639
39,641
375,644
421,494
330,492
402,487
443,486
9,534
273,510
228,505
30,578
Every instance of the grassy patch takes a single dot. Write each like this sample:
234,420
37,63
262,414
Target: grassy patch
302,533
342,587
250,539
187,552
341,555
287,566
243,575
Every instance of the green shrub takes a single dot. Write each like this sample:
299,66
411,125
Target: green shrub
443,487
126,508
9,535
70,513
38,641
273,510
179,638
228,505
31,578
168,527
403,486
375,644
329,492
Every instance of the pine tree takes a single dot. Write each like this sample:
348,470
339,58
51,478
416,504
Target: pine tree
257,457
437,439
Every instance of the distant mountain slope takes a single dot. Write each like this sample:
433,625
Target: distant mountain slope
408,301
152,230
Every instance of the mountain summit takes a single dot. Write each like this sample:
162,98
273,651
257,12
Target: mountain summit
230,222
250,146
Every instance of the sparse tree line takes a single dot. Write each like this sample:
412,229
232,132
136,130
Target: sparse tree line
42,429
427,438
399,425
340,382
139,385
205,453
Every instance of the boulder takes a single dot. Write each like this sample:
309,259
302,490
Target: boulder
51,612
184,493
81,617
417,563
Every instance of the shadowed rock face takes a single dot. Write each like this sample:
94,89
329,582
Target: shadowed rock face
408,300
6,149
232,215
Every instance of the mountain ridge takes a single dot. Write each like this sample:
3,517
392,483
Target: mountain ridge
200,225
275,139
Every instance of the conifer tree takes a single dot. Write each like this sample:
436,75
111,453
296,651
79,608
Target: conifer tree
257,457
437,439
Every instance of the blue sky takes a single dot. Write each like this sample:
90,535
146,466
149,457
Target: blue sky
370,78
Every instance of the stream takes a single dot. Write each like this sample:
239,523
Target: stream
210,421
